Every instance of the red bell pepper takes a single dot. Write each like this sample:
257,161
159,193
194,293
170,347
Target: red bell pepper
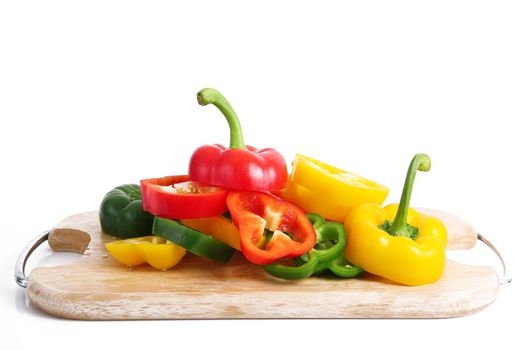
254,213
175,197
239,167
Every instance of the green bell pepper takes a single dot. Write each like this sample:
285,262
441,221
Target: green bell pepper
192,240
122,215
327,254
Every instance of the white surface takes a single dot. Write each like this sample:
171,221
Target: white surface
102,93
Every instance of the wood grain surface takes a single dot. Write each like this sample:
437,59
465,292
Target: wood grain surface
98,288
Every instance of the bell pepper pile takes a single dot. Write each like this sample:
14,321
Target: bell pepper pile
316,220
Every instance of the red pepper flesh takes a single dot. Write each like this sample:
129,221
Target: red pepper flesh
253,212
160,198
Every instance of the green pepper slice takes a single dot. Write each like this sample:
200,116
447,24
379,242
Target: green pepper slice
327,254
121,213
343,268
194,241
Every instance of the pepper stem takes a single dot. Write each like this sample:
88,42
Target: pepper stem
212,96
400,227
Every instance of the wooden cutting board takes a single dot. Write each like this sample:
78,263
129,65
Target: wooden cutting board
98,288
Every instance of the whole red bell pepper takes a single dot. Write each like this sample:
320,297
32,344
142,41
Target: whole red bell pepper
175,197
239,167
256,214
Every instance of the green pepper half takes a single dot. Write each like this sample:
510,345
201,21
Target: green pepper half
122,214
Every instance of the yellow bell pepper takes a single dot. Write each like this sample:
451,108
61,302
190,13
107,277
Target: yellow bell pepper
320,188
397,242
313,202
218,227
156,251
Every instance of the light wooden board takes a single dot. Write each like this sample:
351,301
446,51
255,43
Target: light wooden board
98,288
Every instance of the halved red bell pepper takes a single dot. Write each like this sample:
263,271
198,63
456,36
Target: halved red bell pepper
175,197
239,167
254,213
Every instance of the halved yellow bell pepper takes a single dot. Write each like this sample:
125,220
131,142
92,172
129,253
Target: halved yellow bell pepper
331,192
218,227
313,202
156,251
397,242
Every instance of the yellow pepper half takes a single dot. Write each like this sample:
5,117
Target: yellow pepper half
156,251
397,242
320,188
218,227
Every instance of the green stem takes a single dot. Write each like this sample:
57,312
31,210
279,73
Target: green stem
212,96
399,227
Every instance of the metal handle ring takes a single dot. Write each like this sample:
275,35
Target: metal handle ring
20,277
505,279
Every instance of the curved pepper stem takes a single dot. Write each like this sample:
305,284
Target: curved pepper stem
400,227
212,96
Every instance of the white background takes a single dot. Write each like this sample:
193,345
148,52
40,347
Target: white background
95,94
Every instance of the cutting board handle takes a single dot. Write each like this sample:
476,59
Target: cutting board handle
62,238
20,277
506,278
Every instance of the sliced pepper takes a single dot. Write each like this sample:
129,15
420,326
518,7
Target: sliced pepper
176,197
194,241
122,215
219,227
156,251
239,167
326,255
314,202
254,213
397,242
321,188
